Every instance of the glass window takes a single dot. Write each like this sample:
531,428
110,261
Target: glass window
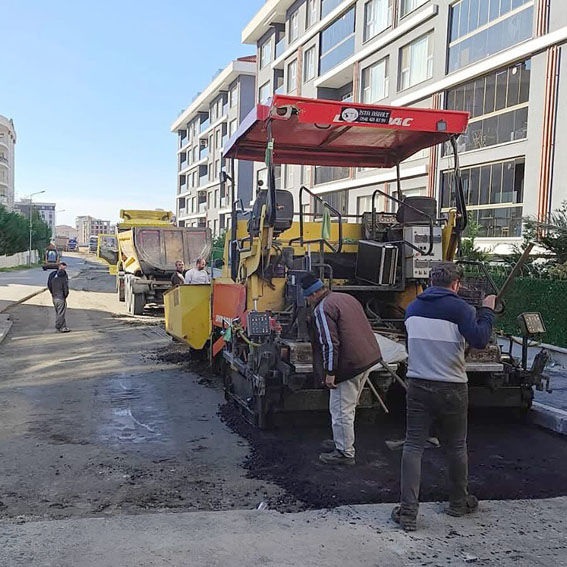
410,5
264,92
337,41
470,38
498,107
292,76
233,96
266,53
337,199
309,64
377,17
311,18
375,82
416,61
493,193
293,26
327,6
326,174
288,181
232,127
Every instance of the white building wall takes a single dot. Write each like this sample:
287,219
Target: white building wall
7,172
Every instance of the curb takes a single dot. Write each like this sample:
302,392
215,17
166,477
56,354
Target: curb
551,418
22,300
5,326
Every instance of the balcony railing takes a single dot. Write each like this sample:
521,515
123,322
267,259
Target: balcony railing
204,125
183,142
280,90
280,46
203,153
183,188
327,6
182,212
203,207
203,180
3,159
223,202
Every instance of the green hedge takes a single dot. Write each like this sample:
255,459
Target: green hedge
546,296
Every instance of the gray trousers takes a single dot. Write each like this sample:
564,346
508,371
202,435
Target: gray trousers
342,405
60,305
447,404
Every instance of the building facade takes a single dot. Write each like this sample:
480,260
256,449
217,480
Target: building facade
89,226
499,60
7,148
66,231
46,212
202,130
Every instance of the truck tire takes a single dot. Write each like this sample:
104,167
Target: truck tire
120,289
138,303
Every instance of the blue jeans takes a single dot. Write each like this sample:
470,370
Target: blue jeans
447,404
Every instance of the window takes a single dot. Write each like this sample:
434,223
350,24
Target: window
416,61
480,28
498,107
293,27
262,175
494,195
216,198
233,96
266,53
327,6
232,127
311,18
337,199
411,5
289,177
337,41
375,82
377,17
309,64
326,174
292,76
218,139
264,92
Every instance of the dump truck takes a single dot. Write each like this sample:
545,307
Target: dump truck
254,319
148,246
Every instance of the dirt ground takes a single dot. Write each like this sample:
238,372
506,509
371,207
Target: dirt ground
114,419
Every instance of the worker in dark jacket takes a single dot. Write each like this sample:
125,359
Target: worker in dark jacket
58,284
348,349
438,325
178,277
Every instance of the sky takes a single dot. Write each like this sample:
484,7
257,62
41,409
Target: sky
93,88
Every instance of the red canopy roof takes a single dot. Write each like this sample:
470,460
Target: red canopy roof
326,132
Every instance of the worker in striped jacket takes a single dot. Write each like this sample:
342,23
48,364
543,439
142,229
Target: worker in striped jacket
346,348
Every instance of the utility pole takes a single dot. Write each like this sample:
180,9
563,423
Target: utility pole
31,225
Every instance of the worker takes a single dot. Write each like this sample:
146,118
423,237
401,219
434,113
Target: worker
198,274
438,324
346,348
178,277
58,285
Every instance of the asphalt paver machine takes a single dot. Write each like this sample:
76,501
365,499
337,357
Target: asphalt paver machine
259,318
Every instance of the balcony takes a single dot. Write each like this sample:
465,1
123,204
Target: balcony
204,125
280,47
182,212
203,153
203,207
203,180
183,142
223,202
183,188
280,90
3,159
327,6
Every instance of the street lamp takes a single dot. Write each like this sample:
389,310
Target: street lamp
31,225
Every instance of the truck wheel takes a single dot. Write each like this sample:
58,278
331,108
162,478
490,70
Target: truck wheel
138,302
120,289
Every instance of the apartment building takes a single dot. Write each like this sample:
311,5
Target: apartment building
7,147
45,210
89,226
202,130
500,60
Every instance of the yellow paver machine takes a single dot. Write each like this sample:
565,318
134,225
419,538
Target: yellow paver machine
254,318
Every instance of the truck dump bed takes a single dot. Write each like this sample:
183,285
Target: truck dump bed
154,250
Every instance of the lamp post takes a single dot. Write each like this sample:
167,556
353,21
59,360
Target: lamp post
31,225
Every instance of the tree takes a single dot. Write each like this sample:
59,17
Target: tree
14,232
469,249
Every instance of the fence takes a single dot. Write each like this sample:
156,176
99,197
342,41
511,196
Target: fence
19,259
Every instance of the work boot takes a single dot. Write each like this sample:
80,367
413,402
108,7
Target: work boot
336,458
407,523
469,506
328,445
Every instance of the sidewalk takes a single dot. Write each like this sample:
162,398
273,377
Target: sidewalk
501,534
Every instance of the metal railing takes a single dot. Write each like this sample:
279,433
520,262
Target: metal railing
280,46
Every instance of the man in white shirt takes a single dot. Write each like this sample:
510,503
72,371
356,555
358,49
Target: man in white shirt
198,274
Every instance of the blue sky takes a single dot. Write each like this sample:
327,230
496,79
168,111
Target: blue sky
93,87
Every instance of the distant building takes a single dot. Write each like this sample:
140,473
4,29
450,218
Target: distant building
66,231
203,130
7,145
46,212
89,226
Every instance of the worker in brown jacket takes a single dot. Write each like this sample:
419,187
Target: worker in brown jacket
348,349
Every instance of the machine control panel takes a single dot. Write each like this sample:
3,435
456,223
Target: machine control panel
418,266
531,324
257,323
